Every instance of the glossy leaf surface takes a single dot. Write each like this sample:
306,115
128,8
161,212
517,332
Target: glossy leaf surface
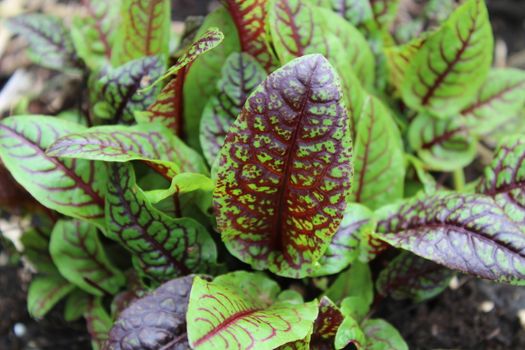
411,277
81,259
162,316
45,292
284,172
442,144
465,232
447,71
162,247
144,30
119,88
153,144
49,42
504,178
379,157
381,335
357,224
71,187
500,98
241,74
220,317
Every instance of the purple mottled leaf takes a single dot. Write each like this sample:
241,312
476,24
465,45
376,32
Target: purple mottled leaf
156,321
465,232
411,277
284,172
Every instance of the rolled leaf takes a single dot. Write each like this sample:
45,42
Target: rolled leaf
241,74
50,44
443,145
71,187
357,224
119,90
46,292
284,173
500,98
162,320
220,317
144,30
445,74
168,108
465,232
381,335
379,157
81,259
504,178
201,79
411,277
162,247
153,144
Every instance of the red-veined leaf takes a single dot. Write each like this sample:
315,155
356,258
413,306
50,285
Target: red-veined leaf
45,292
326,325
241,74
384,12
465,232
144,30
381,335
98,323
445,74
284,172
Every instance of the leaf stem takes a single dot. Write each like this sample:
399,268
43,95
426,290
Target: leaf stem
459,180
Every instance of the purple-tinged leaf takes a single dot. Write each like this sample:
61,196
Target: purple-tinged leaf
153,144
465,232
326,325
71,187
379,157
284,172
357,225
381,335
45,292
49,42
504,178
445,74
144,30
444,145
118,90
98,323
156,321
411,277
250,18
241,74
162,247
500,98
81,259
220,317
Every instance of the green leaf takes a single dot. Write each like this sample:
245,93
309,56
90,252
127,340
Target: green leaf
379,157
284,172
45,292
354,282
501,95
445,74
349,332
98,323
398,59
250,18
93,35
162,247
357,12
50,44
144,30
504,178
119,90
381,335
76,305
81,259
201,79
443,145
36,244
71,187
357,224
221,317
256,287
411,277
169,106
241,74
153,143
465,232
384,12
